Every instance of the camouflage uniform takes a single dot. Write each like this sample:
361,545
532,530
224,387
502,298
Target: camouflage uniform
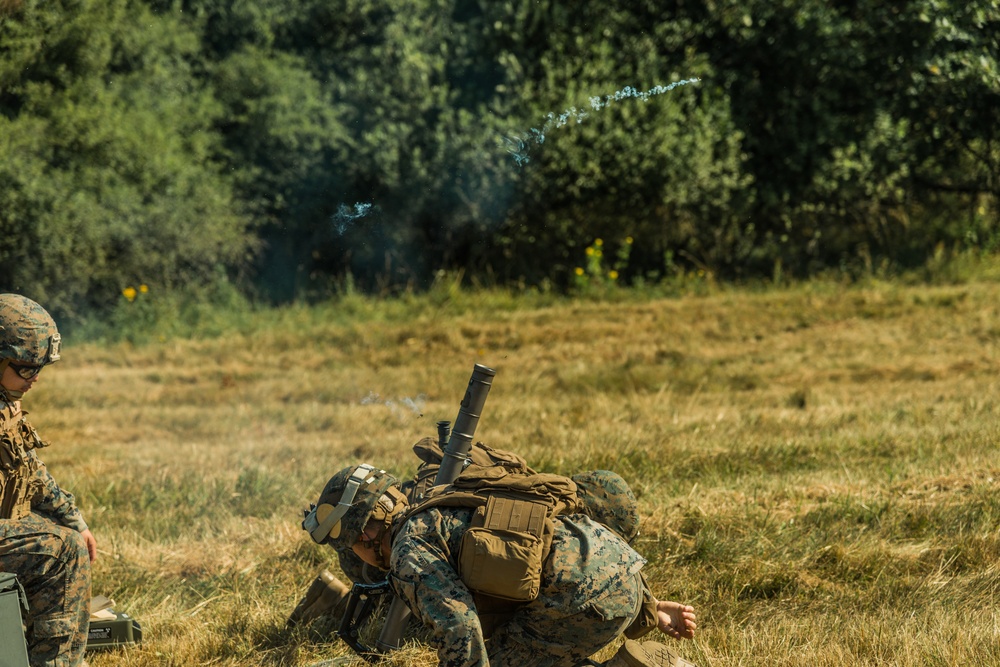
590,588
40,525
591,591
41,543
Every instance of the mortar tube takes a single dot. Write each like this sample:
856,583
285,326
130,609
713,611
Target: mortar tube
455,456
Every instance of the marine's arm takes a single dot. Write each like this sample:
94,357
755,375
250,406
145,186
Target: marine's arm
53,501
424,579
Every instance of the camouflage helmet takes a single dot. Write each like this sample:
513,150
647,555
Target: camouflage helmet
351,498
608,500
28,335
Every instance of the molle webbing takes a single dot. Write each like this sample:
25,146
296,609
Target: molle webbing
9,416
600,494
521,516
16,466
477,485
429,451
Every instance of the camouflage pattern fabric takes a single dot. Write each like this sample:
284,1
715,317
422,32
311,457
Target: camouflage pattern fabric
40,541
53,566
590,592
24,478
28,334
360,512
607,499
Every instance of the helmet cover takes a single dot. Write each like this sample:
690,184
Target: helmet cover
348,501
28,334
608,500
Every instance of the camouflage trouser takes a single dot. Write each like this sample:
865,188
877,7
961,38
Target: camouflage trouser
540,636
53,566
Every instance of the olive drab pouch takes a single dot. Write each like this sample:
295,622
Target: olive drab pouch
429,451
502,553
601,494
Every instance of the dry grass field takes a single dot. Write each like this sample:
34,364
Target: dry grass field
817,468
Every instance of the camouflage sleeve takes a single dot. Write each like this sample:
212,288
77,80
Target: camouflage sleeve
424,578
53,502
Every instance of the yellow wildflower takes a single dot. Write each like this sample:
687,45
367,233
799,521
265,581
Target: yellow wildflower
598,242
628,240
613,274
578,271
129,293
143,288
590,251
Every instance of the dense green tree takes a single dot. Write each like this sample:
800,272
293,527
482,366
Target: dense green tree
108,158
309,142
665,169
375,106
856,116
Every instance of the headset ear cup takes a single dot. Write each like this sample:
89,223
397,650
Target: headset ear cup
322,512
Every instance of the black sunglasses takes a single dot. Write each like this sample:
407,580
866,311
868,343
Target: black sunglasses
26,372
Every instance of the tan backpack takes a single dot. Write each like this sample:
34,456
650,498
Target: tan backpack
502,552
604,496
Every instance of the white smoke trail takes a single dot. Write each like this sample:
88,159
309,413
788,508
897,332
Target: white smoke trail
519,146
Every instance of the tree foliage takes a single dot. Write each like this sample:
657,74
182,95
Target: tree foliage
300,143
109,157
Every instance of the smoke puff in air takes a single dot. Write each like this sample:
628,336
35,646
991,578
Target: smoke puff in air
346,215
414,405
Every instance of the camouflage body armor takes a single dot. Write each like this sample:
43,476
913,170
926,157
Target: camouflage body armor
18,468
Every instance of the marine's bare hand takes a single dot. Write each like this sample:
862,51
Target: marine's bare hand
91,542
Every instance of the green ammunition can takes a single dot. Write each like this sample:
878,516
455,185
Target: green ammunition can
13,649
122,630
